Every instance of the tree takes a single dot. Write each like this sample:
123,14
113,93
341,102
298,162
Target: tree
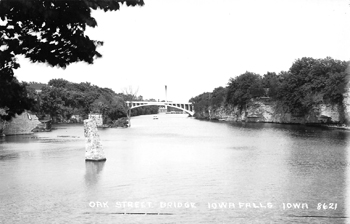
335,87
14,97
109,104
48,31
52,31
270,84
243,88
80,99
53,101
58,83
130,96
312,81
201,102
218,97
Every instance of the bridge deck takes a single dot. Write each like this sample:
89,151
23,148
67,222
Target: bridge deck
187,107
156,102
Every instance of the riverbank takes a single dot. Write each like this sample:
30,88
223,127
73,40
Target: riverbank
265,110
330,126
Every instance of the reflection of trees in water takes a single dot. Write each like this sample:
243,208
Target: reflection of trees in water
297,130
9,156
92,170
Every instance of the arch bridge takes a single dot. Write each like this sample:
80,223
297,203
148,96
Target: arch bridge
186,107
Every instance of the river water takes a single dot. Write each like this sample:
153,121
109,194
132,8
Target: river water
178,170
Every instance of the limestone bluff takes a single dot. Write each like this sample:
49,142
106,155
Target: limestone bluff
311,91
268,110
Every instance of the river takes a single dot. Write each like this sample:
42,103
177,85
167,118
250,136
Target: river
178,170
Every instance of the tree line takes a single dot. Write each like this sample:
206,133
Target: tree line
62,99
50,32
307,83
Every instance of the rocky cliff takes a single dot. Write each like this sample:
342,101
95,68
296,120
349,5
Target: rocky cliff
21,124
267,110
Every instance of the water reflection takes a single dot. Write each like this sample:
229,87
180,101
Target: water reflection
17,139
9,156
347,184
297,163
92,172
173,160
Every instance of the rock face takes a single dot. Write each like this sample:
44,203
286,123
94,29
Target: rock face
19,125
266,110
93,147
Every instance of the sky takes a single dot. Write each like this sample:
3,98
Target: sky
195,46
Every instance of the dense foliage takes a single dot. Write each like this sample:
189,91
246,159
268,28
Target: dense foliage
218,96
201,102
13,97
47,31
53,31
243,88
312,81
270,83
307,83
61,99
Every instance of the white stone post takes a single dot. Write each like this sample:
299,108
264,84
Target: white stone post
93,147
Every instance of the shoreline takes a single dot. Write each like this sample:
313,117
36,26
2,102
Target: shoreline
330,126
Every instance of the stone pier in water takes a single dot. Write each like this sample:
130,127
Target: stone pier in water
93,147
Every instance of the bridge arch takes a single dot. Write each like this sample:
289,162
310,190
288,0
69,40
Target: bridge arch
187,111
133,105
